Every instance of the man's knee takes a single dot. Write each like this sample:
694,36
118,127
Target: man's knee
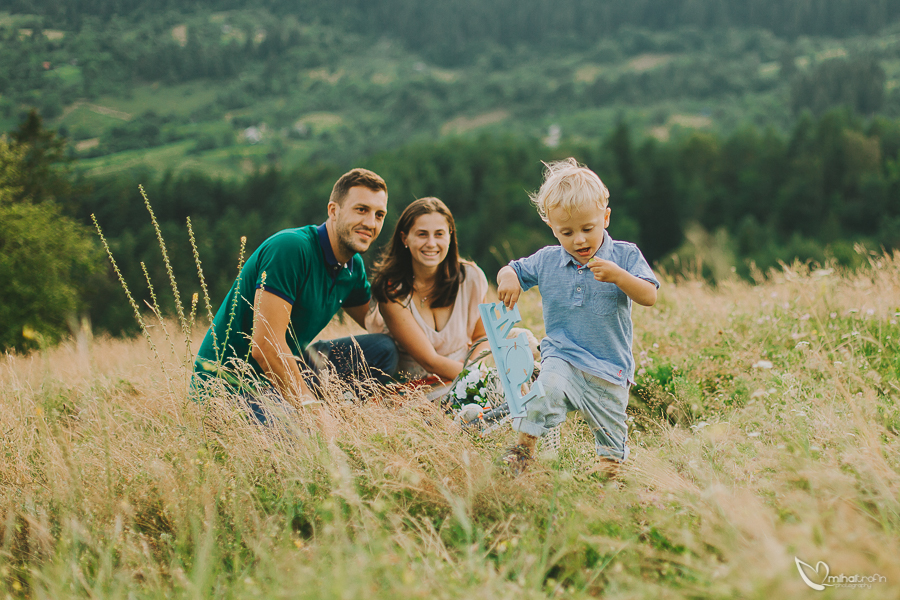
380,352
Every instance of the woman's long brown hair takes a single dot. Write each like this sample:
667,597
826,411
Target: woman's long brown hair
393,277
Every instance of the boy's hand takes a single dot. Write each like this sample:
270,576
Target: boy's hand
508,288
605,270
640,290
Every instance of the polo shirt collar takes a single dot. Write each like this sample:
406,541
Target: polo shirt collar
330,259
604,252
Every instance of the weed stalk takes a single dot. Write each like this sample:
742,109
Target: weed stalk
134,306
155,308
165,255
209,311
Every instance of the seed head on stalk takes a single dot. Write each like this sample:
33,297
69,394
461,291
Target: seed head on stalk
155,308
165,255
134,306
209,311
234,301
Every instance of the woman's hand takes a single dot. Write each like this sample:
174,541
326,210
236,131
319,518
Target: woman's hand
508,287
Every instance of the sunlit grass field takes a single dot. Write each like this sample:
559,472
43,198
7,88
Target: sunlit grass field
765,428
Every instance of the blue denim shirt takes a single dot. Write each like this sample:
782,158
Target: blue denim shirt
588,322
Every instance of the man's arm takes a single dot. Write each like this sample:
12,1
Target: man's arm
358,313
272,315
640,290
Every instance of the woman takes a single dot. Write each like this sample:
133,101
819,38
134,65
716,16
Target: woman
427,297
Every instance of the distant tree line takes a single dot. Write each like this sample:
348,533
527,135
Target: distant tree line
857,83
832,183
455,30
760,197
107,56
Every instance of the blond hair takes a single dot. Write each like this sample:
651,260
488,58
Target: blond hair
569,185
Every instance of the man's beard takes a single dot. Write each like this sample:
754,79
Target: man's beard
347,241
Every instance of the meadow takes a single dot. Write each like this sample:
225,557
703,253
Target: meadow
765,428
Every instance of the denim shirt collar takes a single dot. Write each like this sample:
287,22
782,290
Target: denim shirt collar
330,259
604,252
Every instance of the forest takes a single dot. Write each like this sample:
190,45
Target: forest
732,136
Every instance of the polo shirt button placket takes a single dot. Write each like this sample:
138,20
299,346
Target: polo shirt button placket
579,294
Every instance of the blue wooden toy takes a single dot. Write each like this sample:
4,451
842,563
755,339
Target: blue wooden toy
515,363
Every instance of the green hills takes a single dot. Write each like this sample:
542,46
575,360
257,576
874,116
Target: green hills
231,91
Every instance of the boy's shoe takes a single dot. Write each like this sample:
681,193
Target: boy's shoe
515,460
607,468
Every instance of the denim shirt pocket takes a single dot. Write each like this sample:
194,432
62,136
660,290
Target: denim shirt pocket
604,298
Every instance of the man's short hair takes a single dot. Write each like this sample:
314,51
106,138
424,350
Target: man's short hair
569,185
356,178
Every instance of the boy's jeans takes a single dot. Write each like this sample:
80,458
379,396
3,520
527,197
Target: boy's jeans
601,403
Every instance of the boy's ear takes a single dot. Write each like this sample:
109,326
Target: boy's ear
606,221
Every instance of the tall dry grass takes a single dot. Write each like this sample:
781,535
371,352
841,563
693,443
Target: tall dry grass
765,428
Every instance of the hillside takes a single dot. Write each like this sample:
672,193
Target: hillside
230,91
732,135
765,429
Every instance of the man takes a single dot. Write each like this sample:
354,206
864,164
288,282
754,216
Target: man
288,291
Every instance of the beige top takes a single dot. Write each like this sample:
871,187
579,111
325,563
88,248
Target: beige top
453,340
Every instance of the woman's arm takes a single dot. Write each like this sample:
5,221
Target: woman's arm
409,335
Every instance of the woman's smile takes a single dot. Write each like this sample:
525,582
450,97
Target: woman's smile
428,239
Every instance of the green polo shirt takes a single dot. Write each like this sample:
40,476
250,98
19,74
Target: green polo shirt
299,266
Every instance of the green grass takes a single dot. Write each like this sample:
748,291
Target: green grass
765,427
83,117
160,158
8,20
180,99
70,74
227,162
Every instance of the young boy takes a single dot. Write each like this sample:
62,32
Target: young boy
587,285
